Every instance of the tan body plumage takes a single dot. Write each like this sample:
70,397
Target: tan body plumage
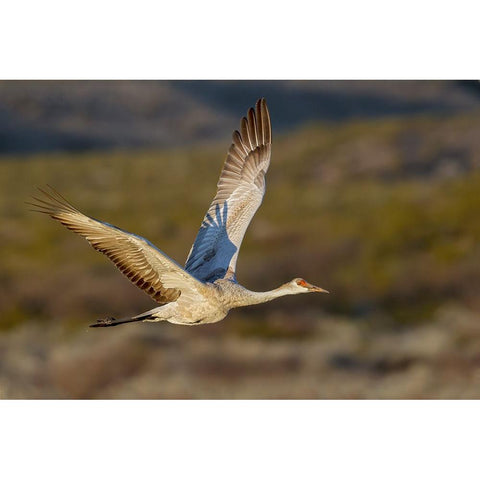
206,289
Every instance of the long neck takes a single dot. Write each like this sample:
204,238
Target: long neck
252,298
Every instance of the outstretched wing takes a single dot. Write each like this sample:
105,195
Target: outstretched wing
145,265
240,192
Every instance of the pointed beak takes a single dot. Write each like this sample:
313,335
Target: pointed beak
313,288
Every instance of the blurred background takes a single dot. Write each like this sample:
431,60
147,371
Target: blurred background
372,193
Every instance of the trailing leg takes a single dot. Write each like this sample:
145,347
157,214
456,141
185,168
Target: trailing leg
113,322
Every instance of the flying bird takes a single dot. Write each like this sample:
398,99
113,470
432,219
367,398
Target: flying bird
206,289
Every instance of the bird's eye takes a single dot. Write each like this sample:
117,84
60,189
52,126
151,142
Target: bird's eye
301,283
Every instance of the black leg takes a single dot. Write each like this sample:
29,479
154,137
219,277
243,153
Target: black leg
113,322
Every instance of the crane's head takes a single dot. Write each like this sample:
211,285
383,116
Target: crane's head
299,285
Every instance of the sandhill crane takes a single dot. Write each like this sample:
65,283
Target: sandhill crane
206,289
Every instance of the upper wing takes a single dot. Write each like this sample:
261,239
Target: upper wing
240,192
145,265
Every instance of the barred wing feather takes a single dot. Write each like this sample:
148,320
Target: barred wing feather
240,191
140,261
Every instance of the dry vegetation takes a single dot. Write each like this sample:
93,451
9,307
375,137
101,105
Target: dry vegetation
384,215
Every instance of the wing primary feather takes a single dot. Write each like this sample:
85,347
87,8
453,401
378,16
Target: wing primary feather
245,135
252,128
267,127
260,126
239,144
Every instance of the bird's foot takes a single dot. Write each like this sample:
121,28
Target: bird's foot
104,322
